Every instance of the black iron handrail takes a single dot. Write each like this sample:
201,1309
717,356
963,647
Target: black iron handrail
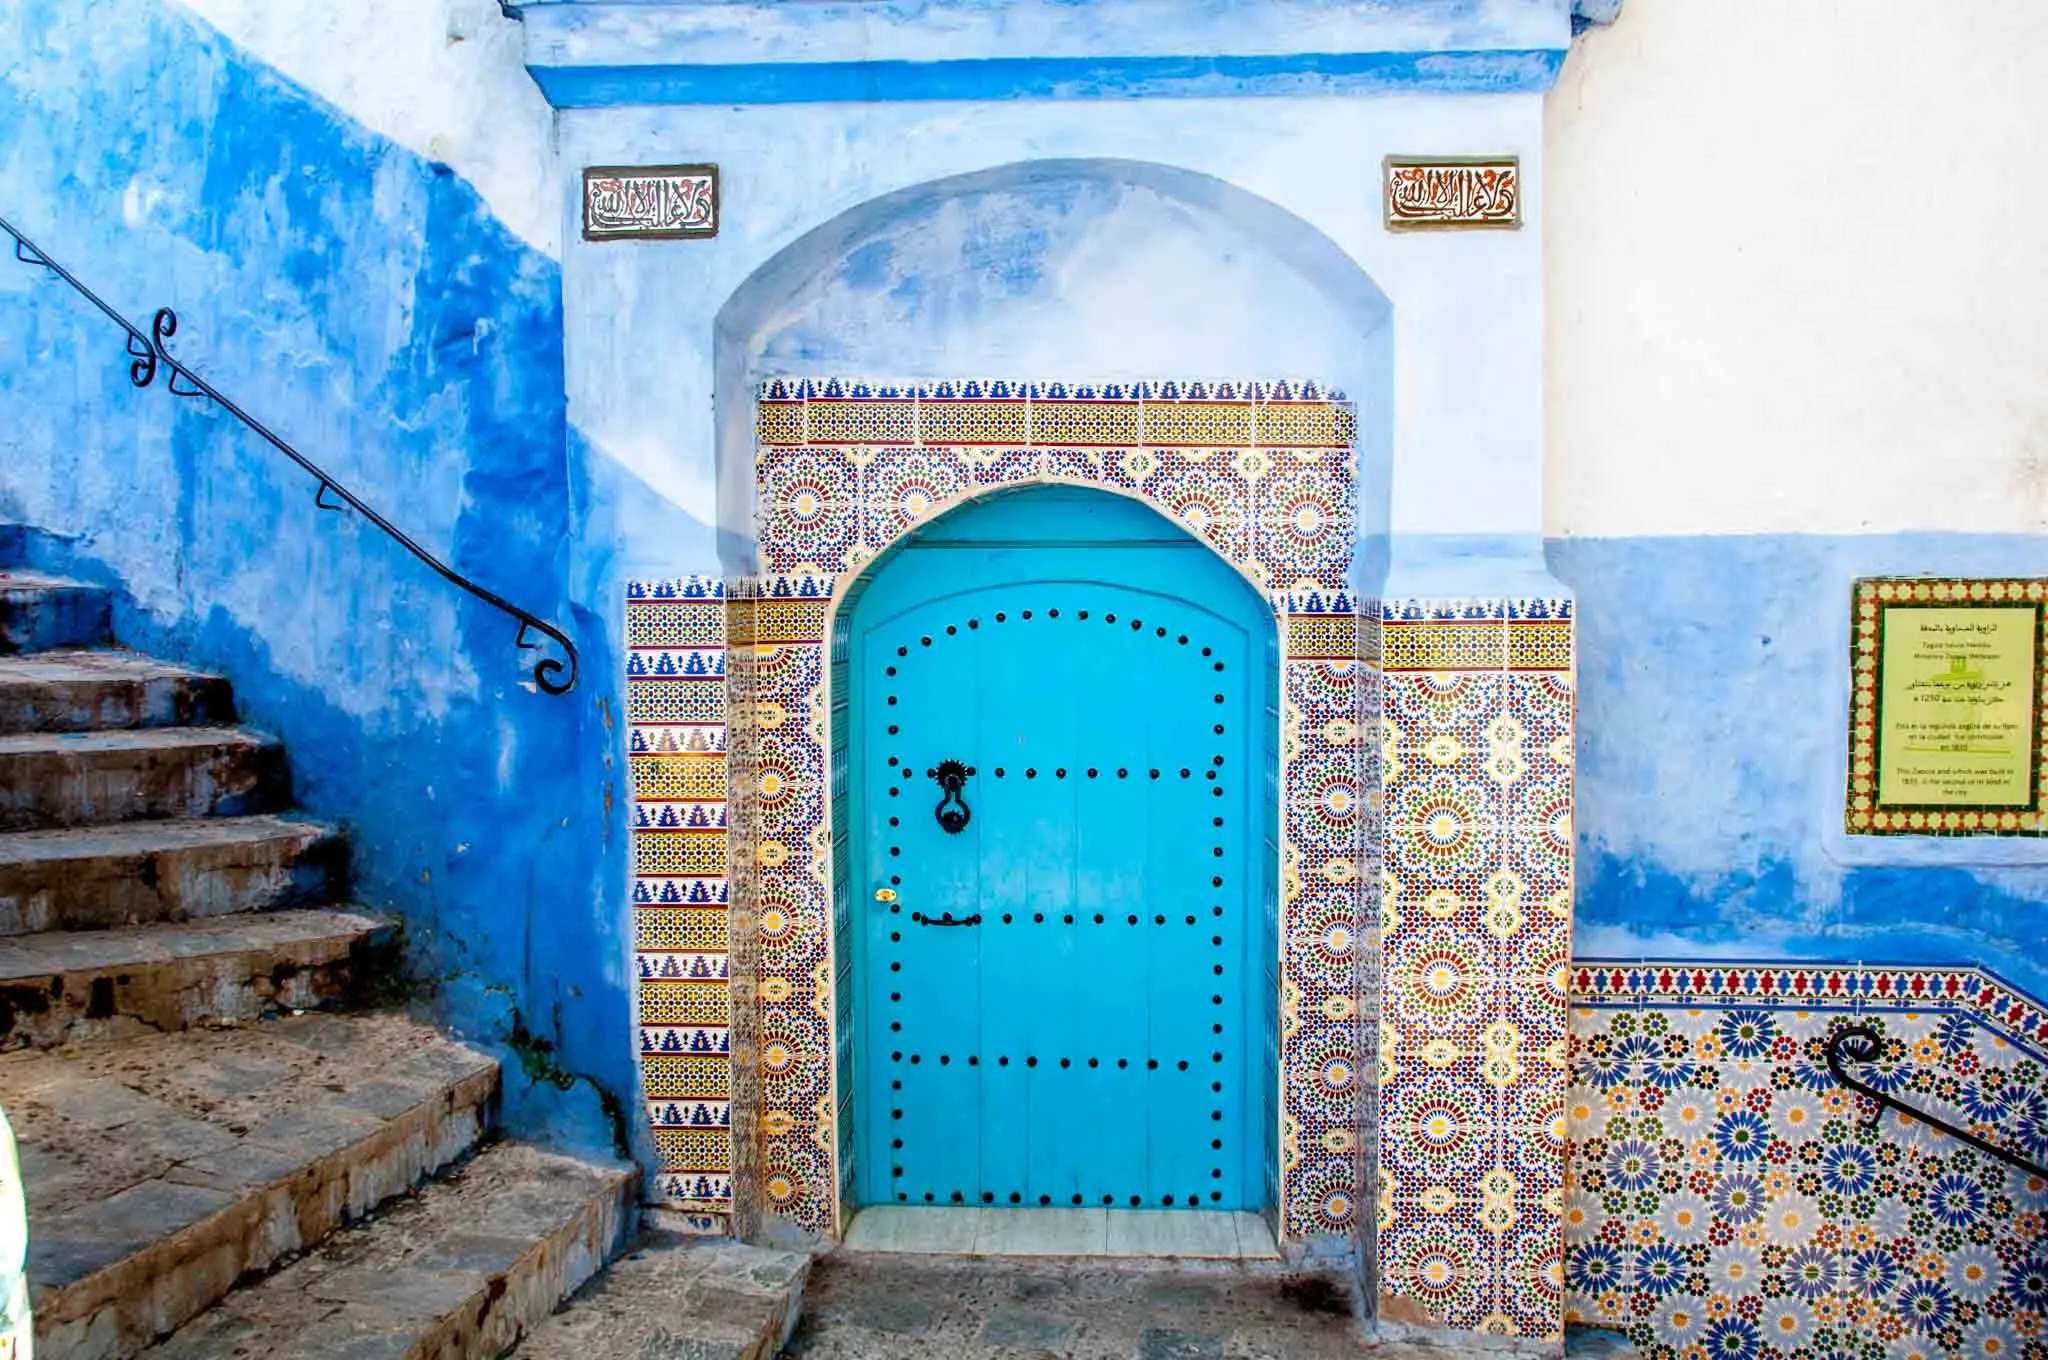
149,353
1863,1044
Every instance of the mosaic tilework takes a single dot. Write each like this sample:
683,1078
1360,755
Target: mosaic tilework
676,758
1476,724
1321,868
1265,473
1726,1198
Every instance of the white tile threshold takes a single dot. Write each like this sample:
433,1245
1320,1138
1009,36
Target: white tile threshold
1200,1234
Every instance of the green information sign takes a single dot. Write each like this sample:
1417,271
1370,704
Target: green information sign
1946,721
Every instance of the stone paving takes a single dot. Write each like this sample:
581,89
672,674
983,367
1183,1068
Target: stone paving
877,1306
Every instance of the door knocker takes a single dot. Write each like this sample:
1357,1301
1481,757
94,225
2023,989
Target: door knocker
952,811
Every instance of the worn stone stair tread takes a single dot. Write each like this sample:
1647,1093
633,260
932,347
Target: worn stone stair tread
88,778
122,873
678,1297
68,665
463,1268
29,957
40,611
146,739
161,1169
153,837
28,581
84,688
62,986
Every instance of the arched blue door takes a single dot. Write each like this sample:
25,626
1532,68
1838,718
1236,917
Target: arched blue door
1062,991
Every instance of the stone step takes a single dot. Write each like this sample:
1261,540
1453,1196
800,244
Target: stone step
83,778
93,877
160,1170
72,985
464,1268
39,612
679,1296
87,689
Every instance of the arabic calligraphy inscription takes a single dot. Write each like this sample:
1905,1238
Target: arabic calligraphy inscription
1431,192
652,202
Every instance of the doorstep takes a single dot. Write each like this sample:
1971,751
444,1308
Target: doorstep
1183,1234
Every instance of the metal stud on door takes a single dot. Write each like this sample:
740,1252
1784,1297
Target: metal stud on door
1054,763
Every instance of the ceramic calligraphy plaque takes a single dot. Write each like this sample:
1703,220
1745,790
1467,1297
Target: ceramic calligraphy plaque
653,202
1949,705
1439,192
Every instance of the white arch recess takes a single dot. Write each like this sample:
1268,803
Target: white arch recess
829,472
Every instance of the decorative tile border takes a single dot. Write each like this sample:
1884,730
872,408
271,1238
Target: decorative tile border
1437,192
676,759
649,203
1727,1198
1865,815
1265,473
1476,726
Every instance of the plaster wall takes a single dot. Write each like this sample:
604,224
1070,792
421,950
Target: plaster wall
1790,255
1059,303
1791,340
442,78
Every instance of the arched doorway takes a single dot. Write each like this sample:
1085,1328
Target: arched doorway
1057,757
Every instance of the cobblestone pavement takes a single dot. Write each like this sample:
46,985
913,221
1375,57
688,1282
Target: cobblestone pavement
886,1306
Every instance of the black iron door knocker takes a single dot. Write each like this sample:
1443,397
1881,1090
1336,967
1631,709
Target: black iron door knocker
952,811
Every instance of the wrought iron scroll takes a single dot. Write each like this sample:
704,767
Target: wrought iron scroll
150,355
1863,1044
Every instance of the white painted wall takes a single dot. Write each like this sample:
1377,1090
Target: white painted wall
1797,273
443,78
1467,387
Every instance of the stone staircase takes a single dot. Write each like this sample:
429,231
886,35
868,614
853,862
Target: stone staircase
228,1149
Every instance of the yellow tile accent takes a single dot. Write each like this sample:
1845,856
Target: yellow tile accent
694,1149
1322,636
1539,645
973,422
687,1076
685,1001
1208,423
1443,646
781,422
688,854
680,930
862,422
662,778
1110,423
1312,424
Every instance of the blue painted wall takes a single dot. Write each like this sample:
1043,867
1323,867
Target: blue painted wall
363,301
1713,735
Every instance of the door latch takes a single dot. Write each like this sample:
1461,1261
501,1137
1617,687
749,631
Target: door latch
952,811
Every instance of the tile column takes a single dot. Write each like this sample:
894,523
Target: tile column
1475,783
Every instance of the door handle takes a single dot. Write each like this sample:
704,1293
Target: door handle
952,811
947,919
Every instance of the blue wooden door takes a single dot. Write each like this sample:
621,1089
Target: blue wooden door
1059,1002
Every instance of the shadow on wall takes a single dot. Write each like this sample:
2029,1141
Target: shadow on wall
363,302
1091,270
